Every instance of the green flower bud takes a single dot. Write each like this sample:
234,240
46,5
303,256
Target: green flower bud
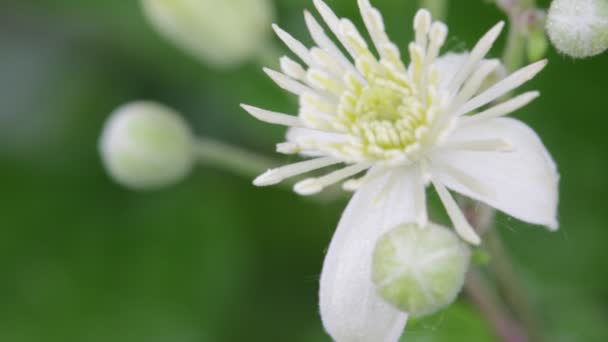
578,28
145,146
220,32
420,269
537,43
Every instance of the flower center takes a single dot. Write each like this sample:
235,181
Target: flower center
380,103
386,119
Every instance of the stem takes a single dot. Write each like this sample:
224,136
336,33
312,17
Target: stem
515,49
507,328
234,159
489,304
510,286
439,8
247,164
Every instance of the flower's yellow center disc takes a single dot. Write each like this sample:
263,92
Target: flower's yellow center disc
386,118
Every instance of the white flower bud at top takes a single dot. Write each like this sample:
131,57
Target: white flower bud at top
578,28
420,269
145,146
219,32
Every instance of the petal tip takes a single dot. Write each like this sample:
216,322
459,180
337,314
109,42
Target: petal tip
267,178
307,187
553,226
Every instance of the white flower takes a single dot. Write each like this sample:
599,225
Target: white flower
406,127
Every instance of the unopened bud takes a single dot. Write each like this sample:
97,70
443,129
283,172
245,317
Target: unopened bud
533,25
420,269
222,33
578,28
145,146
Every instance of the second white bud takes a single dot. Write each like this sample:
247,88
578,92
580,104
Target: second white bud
146,145
420,270
578,28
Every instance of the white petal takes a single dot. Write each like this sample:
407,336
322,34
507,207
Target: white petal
287,82
422,24
375,26
311,186
477,54
293,44
513,81
309,140
292,68
461,225
474,83
277,175
448,65
524,181
503,108
272,117
332,21
351,310
323,41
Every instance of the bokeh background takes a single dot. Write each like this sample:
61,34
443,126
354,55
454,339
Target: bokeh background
213,258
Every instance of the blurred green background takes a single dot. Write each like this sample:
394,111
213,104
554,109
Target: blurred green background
215,259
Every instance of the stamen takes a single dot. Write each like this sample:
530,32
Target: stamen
274,176
352,185
513,81
288,148
478,52
312,186
353,41
316,119
314,101
287,83
328,46
473,84
273,117
461,225
422,24
375,26
328,15
311,136
439,32
293,44
502,109
327,62
335,24
324,81
292,68
417,60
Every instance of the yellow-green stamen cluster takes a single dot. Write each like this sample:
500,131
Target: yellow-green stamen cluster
387,119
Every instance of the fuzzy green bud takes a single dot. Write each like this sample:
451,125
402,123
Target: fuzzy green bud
146,146
221,33
578,28
420,269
